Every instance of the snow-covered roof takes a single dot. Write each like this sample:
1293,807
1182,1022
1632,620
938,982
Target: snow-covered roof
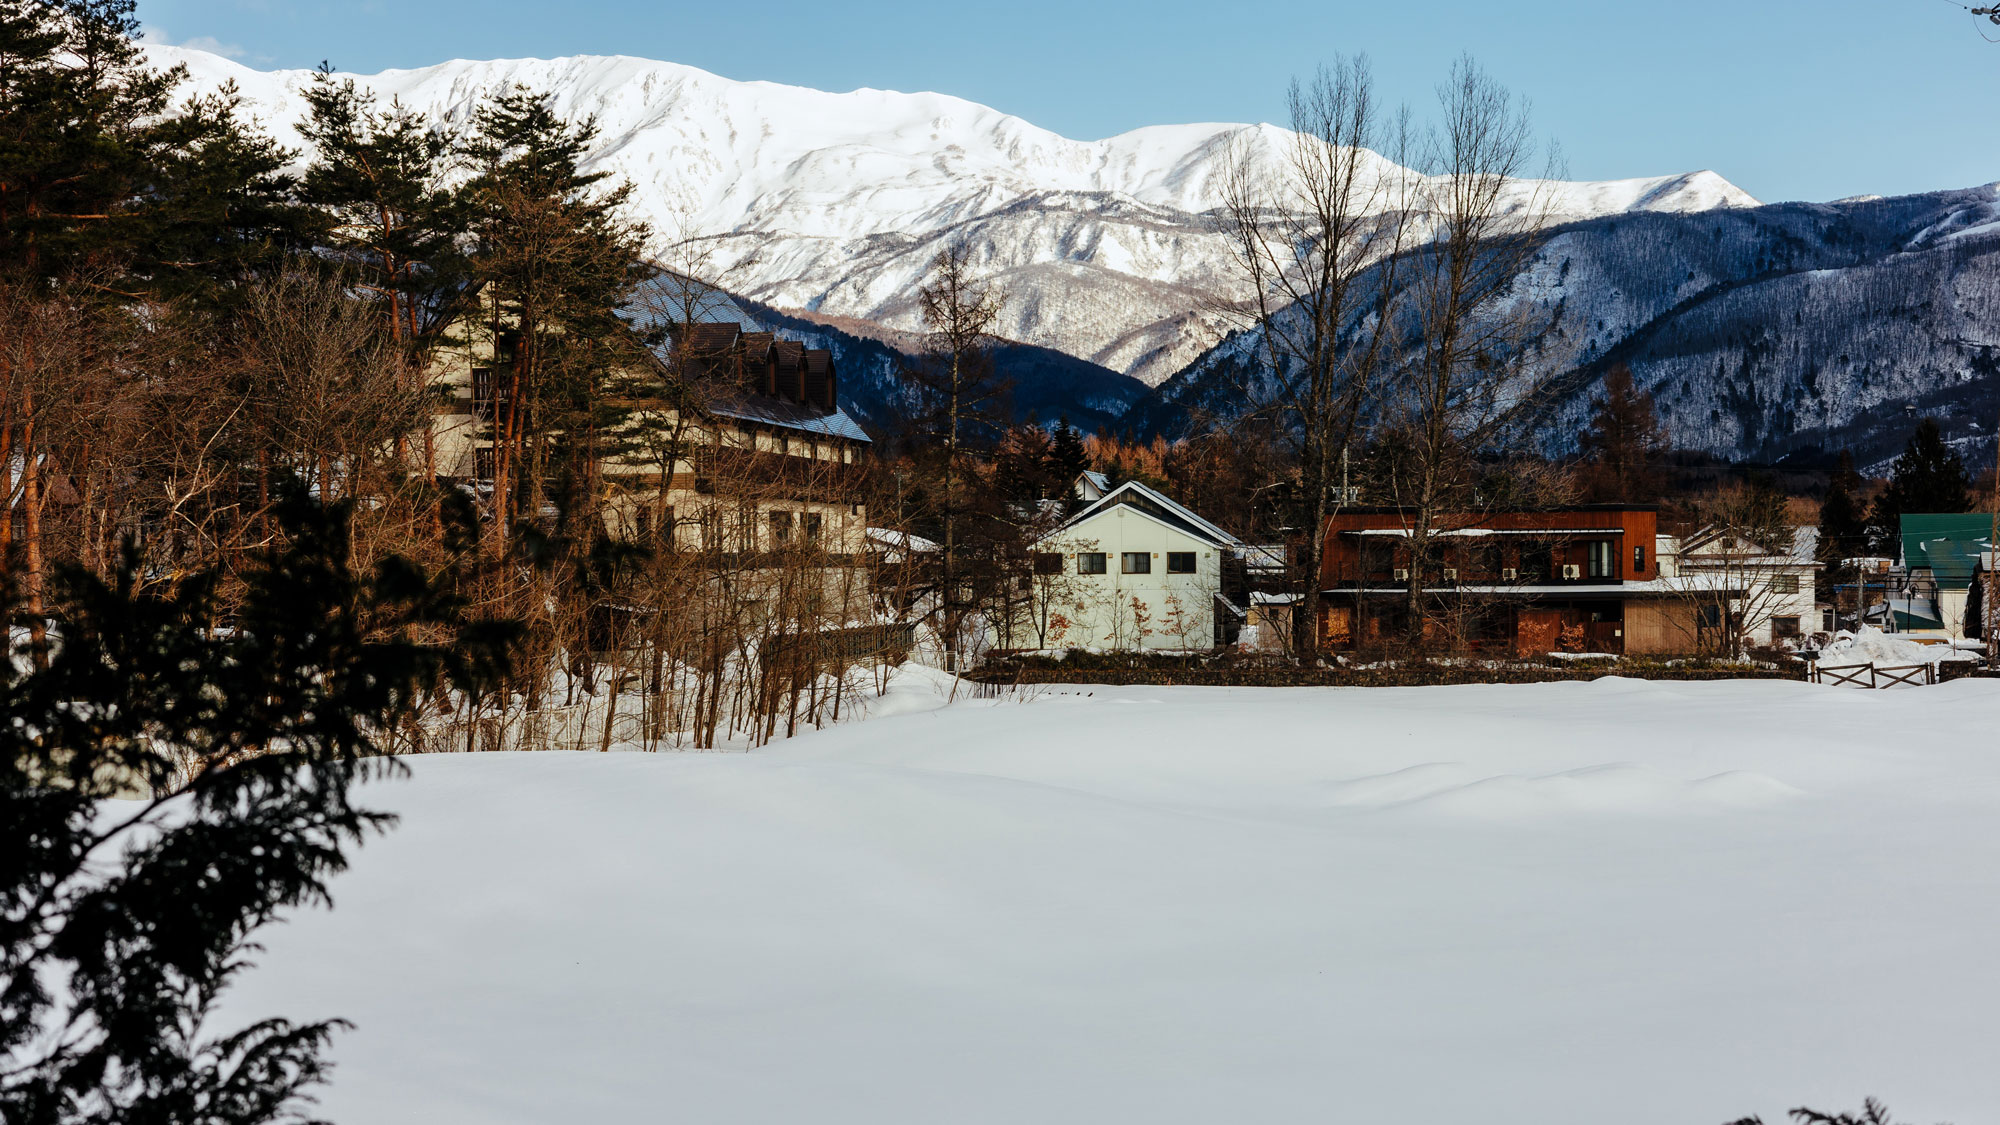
1140,497
1686,584
900,540
1482,532
1714,542
1262,557
790,415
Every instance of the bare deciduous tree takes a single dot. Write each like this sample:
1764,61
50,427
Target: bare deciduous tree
1318,239
956,386
1476,369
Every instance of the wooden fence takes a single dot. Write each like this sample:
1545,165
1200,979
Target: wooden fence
1872,675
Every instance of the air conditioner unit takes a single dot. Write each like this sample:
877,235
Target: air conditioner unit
1510,574
1571,570
1402,575
1451,574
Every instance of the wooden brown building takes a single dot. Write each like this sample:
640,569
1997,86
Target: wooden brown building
1506,581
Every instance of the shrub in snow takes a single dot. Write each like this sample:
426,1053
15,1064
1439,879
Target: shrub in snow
1872,1113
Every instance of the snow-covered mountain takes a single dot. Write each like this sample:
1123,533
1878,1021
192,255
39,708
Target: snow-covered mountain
1789,331
836,203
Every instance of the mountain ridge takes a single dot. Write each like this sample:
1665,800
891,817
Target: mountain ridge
835,203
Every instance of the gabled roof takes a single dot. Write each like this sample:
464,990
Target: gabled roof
708,338
1150,502
1948,544
1694,548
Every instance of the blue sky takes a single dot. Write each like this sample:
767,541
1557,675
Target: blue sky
1789,99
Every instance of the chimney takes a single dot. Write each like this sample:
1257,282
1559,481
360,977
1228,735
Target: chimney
819,381
791,371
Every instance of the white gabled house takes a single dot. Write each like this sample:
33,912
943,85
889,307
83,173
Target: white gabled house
1770,599
1133,571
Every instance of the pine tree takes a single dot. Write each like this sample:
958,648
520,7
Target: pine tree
1066,453
377,181
122,922
1623,443
557,261
1843,526
108,179
1024,470
1068,459
112,196
1928,478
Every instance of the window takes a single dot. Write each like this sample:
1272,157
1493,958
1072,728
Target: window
1784,628
642,524
781,527
1090,562
1786,584
1180,562
812,526
1638,558
1048,562
1135,562
1597,556
482,392
1376,558
1536,558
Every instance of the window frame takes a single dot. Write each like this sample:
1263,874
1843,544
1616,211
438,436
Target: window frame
1193,563
1083,558
1126,560
1599,561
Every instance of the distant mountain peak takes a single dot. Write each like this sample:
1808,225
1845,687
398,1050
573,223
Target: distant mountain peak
836,202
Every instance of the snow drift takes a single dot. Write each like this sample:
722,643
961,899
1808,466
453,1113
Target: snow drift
1569,903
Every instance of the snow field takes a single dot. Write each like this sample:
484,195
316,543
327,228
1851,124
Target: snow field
1583,902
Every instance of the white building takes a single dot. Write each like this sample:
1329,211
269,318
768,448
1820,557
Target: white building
1133,571
1773,600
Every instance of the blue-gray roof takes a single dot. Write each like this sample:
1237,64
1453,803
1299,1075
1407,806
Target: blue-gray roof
790,415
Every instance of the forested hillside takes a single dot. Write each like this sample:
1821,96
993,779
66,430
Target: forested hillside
1762,332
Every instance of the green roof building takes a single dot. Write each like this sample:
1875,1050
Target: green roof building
1941,552
1948,545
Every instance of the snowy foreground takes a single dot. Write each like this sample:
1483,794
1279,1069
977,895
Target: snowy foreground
1613,902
